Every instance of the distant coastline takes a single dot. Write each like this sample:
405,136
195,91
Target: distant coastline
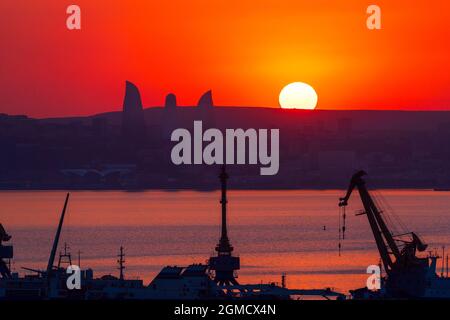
130,150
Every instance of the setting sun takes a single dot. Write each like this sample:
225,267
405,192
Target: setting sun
298,95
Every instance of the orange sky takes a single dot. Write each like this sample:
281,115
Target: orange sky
246,51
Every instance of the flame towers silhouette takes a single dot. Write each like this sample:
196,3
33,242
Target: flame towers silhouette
224,264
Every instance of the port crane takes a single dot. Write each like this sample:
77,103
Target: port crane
407,274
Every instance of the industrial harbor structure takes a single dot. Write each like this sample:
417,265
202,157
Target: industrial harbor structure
214,280
408,275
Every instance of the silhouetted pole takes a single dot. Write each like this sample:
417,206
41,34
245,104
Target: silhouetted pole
223,201
79,258
224,264
121,261
51,259
447,265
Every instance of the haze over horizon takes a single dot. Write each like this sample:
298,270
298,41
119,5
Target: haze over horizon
246,52
119,110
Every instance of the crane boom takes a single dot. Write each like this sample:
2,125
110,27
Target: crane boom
384,240
408,275
51,259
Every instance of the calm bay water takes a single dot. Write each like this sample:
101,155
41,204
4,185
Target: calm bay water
274,232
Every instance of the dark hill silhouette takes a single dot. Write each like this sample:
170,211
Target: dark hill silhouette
131,149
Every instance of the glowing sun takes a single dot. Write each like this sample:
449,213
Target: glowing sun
298,95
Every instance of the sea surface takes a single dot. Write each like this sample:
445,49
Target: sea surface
292,232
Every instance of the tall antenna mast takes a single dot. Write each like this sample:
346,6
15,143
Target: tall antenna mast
121,262
224,264
224,243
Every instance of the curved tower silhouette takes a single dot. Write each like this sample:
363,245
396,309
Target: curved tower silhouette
206,100
133,122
